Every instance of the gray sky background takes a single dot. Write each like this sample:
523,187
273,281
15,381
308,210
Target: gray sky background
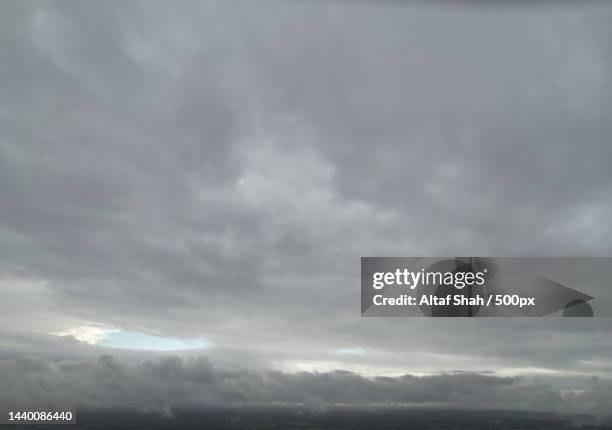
214,170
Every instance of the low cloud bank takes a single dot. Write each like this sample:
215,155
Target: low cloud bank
165,383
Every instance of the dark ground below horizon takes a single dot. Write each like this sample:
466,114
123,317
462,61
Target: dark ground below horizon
336,419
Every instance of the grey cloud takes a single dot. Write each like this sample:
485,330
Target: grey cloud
217,170
466,124
167,383
422,347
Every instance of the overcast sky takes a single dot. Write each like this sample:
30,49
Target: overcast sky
207,175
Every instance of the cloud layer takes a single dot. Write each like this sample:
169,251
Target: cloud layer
215,170
168,383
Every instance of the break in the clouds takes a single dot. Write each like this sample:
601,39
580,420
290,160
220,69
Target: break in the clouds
214,171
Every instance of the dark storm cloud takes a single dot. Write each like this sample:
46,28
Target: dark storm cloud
170,382
208,170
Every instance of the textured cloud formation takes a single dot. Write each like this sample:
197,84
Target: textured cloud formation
171,382
215,170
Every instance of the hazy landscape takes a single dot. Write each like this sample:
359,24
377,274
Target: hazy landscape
280,418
